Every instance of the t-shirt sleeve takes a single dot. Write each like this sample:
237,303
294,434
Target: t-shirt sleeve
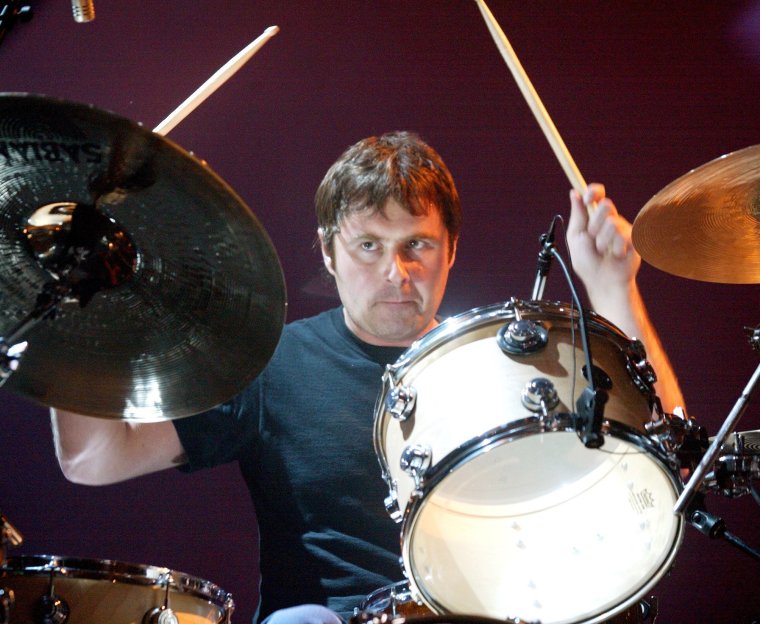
219,435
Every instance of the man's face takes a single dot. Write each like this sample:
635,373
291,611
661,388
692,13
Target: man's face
390,268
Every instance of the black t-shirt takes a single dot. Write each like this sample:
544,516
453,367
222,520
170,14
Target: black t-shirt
302,433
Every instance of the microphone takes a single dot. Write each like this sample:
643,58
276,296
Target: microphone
83,10
544,261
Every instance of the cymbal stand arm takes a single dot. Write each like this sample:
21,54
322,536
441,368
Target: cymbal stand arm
714,449
12,346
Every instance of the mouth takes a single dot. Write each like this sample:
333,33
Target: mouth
398,306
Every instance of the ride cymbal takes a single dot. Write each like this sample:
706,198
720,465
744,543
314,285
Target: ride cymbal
171,294
706,224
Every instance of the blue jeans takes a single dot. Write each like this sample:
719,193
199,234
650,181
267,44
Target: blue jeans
304,614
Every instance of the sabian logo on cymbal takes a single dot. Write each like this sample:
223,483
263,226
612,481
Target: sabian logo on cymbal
15,152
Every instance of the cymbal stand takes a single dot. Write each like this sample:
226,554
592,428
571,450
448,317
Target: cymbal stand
12,347
715,446
691,502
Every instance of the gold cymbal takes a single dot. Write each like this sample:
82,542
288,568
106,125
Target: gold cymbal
706,224
174,297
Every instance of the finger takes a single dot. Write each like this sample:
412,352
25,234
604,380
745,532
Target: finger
605,211
578,215
595,193
606,237
614,236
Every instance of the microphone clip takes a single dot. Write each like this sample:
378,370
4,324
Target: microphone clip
590,416
545,255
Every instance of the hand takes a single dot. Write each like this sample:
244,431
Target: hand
600,244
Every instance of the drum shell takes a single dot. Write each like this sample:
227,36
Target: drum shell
467,386
98,591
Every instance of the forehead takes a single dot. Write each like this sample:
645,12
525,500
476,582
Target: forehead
393,221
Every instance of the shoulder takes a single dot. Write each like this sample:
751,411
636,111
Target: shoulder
319,340
325,325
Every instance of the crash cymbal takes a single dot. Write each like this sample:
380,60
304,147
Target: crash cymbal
706,224
181,301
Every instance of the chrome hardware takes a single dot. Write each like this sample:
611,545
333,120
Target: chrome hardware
391,506
735,470
540,395
163,614
415,460
675,430
733,475
521,337
51,609
639,368
160,615
229,609
400,402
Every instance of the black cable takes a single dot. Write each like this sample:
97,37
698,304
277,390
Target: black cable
581,317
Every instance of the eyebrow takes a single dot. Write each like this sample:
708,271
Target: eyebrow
364,235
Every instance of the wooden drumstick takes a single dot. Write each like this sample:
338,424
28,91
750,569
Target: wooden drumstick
531,97
212,84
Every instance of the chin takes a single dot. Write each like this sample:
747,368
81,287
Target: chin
403,336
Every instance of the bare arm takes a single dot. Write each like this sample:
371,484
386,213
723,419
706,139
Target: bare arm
604,258
96,451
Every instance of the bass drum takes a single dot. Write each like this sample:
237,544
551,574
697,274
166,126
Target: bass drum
506,513
85,591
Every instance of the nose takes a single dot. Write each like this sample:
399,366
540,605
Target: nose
397,272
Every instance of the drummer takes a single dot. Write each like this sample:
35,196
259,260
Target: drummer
388,224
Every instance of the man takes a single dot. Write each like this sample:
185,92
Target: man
389,218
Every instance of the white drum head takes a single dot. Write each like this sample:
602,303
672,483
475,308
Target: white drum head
538,527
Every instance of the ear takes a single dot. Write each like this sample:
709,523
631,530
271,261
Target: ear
327,258
453,252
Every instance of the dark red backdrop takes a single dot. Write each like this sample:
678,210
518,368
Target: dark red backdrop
641,92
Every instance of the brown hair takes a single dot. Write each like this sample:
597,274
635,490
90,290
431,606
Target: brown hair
396,165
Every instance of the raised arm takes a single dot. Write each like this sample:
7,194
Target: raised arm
97,451
604,258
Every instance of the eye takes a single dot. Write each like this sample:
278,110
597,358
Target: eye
368,245
416,243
